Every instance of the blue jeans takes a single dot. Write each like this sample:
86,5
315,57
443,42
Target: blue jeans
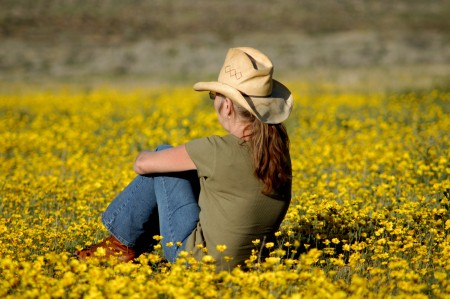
161,204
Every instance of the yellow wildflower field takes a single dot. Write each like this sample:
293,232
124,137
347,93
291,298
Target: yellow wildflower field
369,216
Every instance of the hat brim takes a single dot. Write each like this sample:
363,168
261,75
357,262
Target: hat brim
272,109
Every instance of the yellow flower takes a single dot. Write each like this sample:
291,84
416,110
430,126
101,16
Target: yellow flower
68,279
100,252
440,276
289,262
221,248
157,237
272,260
447,224
337,262
208,259
256,242
381,241
269,245
3,229
228,258
154,258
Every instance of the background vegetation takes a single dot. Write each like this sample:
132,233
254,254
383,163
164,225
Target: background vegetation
152,42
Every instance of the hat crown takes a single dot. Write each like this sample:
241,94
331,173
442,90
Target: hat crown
247,70
246,79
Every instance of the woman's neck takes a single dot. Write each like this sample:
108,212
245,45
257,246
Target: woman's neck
241,131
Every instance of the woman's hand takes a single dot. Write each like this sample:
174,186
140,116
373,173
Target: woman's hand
168,160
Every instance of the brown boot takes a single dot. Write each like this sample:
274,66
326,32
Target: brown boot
112,246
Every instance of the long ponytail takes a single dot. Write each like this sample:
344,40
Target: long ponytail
269,145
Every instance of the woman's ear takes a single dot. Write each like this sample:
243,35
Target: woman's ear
228,106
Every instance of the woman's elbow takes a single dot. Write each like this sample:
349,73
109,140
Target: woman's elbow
138,166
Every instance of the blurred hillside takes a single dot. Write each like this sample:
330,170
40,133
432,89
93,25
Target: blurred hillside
162,41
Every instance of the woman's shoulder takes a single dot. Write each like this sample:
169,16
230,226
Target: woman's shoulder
217,139
215,143
229,141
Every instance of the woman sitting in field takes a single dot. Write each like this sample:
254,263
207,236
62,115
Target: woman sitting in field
244,177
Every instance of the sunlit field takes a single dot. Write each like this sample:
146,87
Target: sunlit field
369,216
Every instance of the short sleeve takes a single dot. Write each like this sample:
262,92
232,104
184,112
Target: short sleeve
202,151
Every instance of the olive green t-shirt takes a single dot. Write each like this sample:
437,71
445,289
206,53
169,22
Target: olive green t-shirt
233,211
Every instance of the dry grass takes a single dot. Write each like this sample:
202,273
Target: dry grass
155,42
133,19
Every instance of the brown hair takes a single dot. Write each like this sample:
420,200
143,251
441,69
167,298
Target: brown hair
269,145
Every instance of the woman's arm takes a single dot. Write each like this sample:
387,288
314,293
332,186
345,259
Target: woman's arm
169,160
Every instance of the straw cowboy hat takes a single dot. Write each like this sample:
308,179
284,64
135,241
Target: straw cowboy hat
246,79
